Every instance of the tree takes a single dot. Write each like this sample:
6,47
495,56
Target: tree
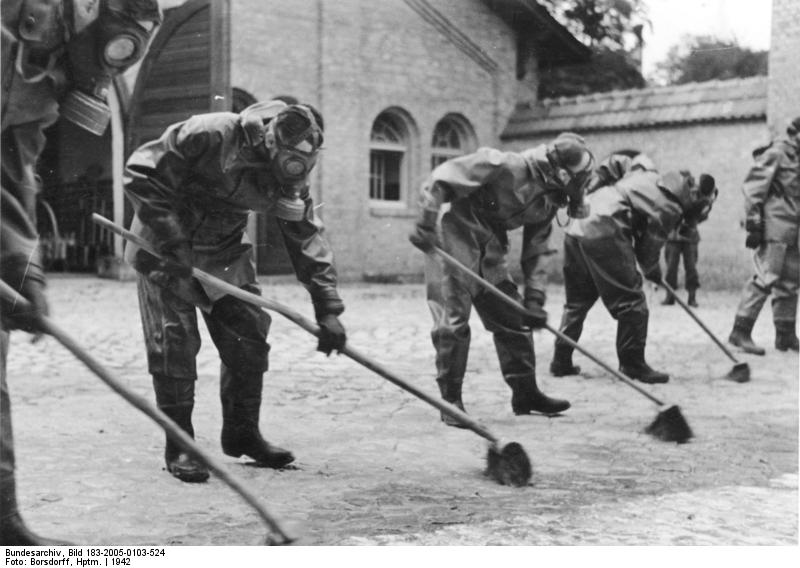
613,31
615,24
705,58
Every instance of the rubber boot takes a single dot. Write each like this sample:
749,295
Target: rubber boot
241,411
786,336
451,392
13,531
692,299
561,365
637,368
527,398
631,341
175,398
740,336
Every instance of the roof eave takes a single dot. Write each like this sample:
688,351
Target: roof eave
556,44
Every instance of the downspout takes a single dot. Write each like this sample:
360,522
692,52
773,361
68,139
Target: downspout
320,93
117,166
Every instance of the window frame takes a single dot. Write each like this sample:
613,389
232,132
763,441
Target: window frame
466,138
400,123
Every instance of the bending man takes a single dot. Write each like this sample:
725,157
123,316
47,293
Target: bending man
192,190
489,193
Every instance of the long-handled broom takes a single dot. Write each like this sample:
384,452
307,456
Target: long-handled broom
669,425
508,464
277,535
740,372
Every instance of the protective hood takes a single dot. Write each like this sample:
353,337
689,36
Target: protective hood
696,199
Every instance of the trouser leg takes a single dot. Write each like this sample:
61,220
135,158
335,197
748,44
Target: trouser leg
612,263
690,257
450,304
753,298
239,331
514,346
13,530
672,257
784,302
581,294
172,342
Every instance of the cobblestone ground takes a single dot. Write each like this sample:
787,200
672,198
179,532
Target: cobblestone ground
375,465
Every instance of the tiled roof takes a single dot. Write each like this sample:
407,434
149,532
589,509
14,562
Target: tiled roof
712,101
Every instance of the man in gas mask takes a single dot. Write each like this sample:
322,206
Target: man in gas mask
772,221
490,192
193,190
58,58
628,224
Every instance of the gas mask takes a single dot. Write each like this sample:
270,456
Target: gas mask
573,165
696,199
94,40
702,198
107,37
293,139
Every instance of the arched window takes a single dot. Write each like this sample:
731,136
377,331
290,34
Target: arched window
389,148
452,137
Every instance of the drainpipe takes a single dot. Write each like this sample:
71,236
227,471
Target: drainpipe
117,166
320,89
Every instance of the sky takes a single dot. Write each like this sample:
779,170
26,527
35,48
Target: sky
746,21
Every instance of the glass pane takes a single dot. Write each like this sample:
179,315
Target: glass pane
376,169
385,175
446,135
393,162
385,129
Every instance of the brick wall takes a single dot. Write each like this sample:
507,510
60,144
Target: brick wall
355,59
784,62
724,151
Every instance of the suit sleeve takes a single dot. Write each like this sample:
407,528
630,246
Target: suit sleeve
759,179
462,176
649,238
609,171
535,259
312,259
19,239
155,173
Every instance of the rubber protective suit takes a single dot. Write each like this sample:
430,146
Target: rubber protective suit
772,217
193,190
53,53
489,193
628,225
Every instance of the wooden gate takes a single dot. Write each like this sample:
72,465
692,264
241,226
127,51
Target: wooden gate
186,70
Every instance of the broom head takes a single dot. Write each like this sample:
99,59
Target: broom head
670,426
509,465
